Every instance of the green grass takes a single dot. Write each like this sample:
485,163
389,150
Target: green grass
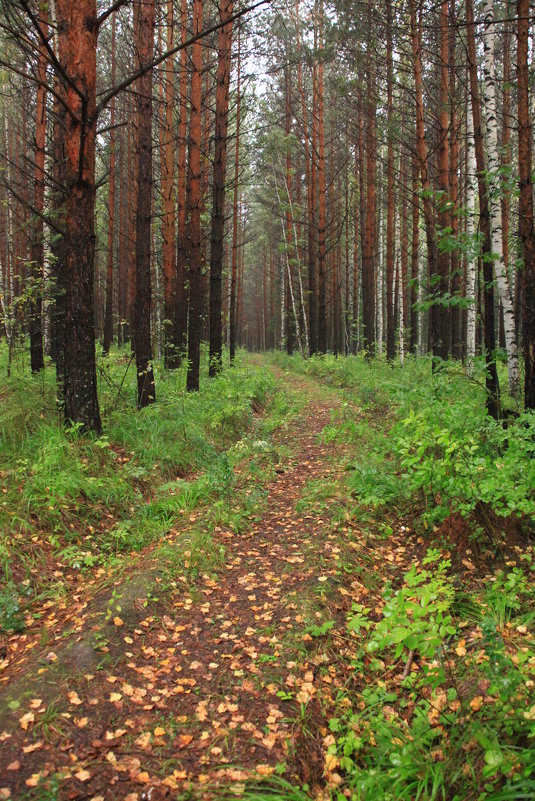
71,502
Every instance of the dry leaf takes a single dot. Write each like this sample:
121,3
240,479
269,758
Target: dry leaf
26,719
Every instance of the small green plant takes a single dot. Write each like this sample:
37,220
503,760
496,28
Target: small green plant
418,616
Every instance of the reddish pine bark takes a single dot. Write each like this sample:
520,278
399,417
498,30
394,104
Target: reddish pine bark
77,38
440,318
525,205
194,201
322,194
108,313
421,145
171,346
181,314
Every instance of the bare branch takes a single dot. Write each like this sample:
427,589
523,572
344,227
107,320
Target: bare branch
147,67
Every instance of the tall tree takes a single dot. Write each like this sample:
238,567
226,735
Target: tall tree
77,40
108,314
219,185
492,383
37,254
525,207
144,25
194,201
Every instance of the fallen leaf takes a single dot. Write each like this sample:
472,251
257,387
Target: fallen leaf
117,621
83,775
29,749
15,765
115,697
26,719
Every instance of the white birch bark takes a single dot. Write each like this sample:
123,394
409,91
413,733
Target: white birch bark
471,312
493,184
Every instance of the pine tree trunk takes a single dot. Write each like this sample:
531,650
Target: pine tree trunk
219,184
421,149
108,313
369,276
146,393
180,320
37,254
322,196
77,38
171,347
525,206
194,201
390,331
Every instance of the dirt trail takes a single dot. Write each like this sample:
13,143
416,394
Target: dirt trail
190,693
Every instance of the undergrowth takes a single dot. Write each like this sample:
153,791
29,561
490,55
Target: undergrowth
442,662
71,502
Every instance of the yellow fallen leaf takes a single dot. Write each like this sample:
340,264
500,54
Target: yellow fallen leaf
115,697
159,732
29,749
142,778
118,621
5,793
74,698
184,740
143,740
15,765
35,703
331,762
81,723
476,702
265,770
26,719
83,775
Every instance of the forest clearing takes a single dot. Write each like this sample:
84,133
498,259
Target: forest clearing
267,400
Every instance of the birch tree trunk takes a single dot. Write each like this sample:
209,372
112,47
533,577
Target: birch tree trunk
470,230
495,212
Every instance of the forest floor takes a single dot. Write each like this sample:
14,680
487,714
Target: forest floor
138,688
134,696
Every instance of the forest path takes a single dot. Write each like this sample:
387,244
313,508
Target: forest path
209,688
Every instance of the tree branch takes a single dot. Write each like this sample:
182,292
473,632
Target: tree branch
147,67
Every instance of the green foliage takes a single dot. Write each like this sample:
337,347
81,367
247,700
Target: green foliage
418,616
90,499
